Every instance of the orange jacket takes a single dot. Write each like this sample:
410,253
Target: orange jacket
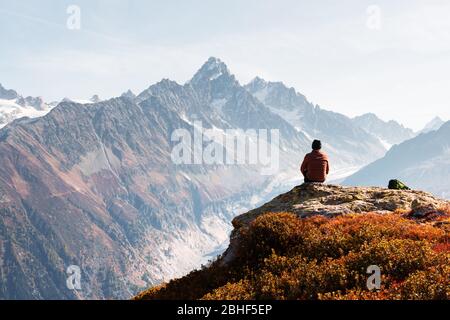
316,166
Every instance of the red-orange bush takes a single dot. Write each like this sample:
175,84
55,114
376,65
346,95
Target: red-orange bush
280,256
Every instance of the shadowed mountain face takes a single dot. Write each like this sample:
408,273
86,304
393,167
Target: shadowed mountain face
94,185
422,163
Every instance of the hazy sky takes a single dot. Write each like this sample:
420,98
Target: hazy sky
351,56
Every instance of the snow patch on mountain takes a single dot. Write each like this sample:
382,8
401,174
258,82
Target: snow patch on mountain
10,111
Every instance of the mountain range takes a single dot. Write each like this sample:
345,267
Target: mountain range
389,133
94,184
422,163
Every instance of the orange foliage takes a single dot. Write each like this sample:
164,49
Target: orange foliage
280,256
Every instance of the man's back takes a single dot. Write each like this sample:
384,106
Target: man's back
315,167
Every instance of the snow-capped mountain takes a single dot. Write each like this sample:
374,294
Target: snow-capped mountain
389,133
433,125
94,99
14,106
348,145
422,162
96,184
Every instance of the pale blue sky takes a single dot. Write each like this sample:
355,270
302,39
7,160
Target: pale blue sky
322,48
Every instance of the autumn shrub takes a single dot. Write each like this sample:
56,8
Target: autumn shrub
357,294
275,232
286,278
240,290
280,256
190,287
397,257
430,284
298,277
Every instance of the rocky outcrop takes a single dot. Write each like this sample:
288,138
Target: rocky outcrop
333,200
313,199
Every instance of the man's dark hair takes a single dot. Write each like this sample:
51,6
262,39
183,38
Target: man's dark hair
317,145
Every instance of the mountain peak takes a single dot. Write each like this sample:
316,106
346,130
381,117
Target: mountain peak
256,84
7,94
95,98
129,94
214,62
433,125
211,70
369,115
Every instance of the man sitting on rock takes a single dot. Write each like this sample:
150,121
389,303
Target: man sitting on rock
315,167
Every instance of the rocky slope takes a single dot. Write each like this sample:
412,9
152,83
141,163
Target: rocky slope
316,242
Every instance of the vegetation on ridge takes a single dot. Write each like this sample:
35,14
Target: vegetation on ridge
280,256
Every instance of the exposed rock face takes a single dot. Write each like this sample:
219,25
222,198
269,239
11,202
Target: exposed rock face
332,200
